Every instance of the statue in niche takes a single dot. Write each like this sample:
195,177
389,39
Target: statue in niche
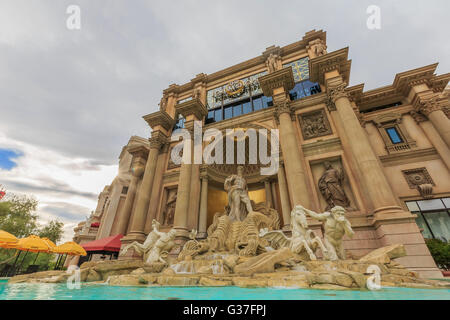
238,200
331,187
272,63
169,210
336,226
163,103
318,47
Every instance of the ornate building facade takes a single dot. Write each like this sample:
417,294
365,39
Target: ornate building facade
383,154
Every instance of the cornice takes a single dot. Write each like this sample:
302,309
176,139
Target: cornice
321,146
159,118
251,63
192,107
336,60
409,156
280,78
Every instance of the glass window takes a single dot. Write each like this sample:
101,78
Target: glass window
446,202
267,101
423,226
432,218
237,110
228,112
394,135
433,204
218,115
257,104
412,206
246,107
439,223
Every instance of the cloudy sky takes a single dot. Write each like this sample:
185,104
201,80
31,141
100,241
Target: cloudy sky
70,99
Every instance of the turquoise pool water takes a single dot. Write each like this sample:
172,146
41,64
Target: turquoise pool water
103,292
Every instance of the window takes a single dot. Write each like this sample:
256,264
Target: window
304,89
433,217
394,135
124,190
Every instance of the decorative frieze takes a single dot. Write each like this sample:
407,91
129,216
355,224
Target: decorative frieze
314,124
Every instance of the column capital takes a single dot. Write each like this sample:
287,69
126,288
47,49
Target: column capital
336,90
283,78
157,140
417,116
140,154
283,107
427,104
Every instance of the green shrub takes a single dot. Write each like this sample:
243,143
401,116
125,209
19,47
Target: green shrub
440,251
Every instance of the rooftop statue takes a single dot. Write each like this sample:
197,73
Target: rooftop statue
336,226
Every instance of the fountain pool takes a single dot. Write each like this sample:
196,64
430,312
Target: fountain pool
49,291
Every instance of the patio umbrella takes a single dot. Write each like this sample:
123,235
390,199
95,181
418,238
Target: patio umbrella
69,248
32,243
7,239
51,245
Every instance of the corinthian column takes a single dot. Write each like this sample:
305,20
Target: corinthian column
143,197
376,183
277,84
139,153
284,197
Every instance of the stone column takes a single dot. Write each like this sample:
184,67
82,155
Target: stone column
137,169
293,162
143,196
277,85
184,187
378,187
203,219
268,189
284,197
274,196
192,110
434,137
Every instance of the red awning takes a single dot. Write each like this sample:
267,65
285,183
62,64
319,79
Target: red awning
106,244
95,224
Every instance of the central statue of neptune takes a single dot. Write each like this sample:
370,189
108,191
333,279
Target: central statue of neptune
238,199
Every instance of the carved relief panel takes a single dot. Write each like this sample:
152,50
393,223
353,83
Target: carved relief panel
314,124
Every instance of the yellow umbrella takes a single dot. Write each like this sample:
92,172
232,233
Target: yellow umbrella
50,243
33,243
70,248
7,240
